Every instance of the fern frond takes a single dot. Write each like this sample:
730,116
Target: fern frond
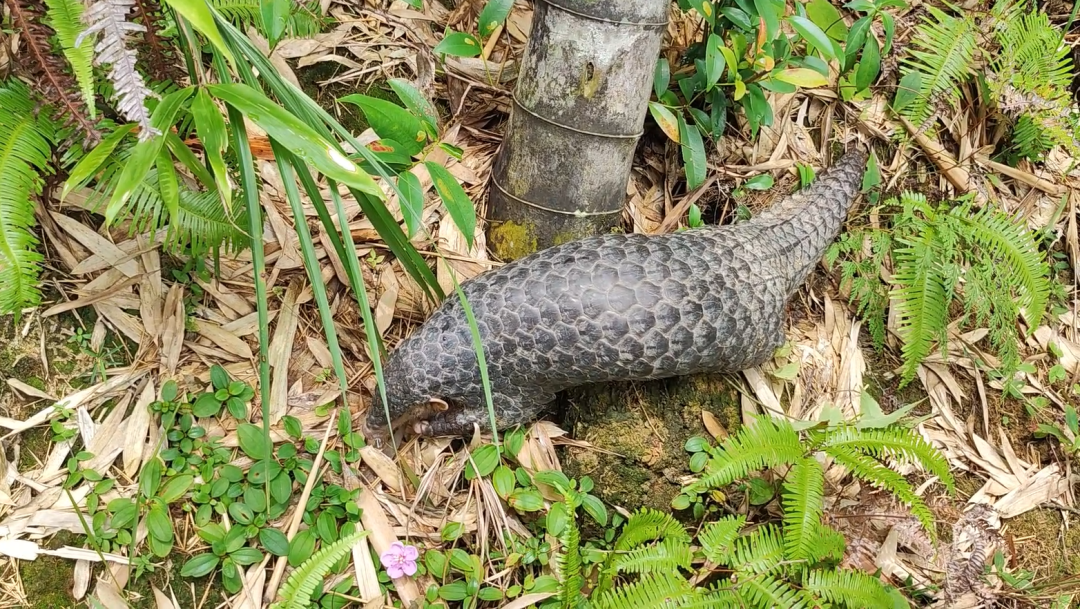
828,544
803,499
768,593
65,17
568,561
942,51
766,443
296,591
720,596
848,588
109,19
866,468
900,443
717,537
757,552
919,297
26,140
304,19
1012,245
659,590
667,556
648,524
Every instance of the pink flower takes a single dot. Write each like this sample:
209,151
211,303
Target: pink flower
399,560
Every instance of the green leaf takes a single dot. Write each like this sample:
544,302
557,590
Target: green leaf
176,487
557,519
301,547
813,34
907,90
494,14
693,153
553,478
241,513
714,61
458,44
150,477
391,122
705,9
825,16
762,181
200,565
293,427
214,137
197,12
503,481
246,556
767,13
297,136
206,406
252,441
739,18
595,508
869,65
411,201
802,77
85,169
666,120
275,18
274,541
661,76
485,459
526,500
454,198
415,101
219,378
158,524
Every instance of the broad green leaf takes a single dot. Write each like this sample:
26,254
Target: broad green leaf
494,14
888,24
503,481
158,523
411,201
768,14
275,17
241,513
595,508
762,181
856,39
813,34
246,556
200,565
168,185
219,378
415,101
802,77
301,547
738,17
198,13
391,122
526,500
705,9
787,371
274,541
252,441
825,15
150,477
486,458
714,61
85,169
454,198
206,405
869,65
458,44
210,126
693,153
666,119
176,487
295,135
145,153
661,76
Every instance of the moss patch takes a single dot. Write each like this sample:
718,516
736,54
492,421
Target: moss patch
511,241
647,426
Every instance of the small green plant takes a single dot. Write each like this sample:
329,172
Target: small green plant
298,589
1067,434
984,259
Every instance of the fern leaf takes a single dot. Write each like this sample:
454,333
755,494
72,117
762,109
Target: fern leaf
667,556
648,524
849,588
828,544
768,593
568,561
65,17
660,590
1012,245
296,591
866,468
942,51
109,18
758,552
721,596
920,302
26,139
717,537
766,443
900,443
803,499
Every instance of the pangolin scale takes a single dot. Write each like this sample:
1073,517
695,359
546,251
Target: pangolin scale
614,307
